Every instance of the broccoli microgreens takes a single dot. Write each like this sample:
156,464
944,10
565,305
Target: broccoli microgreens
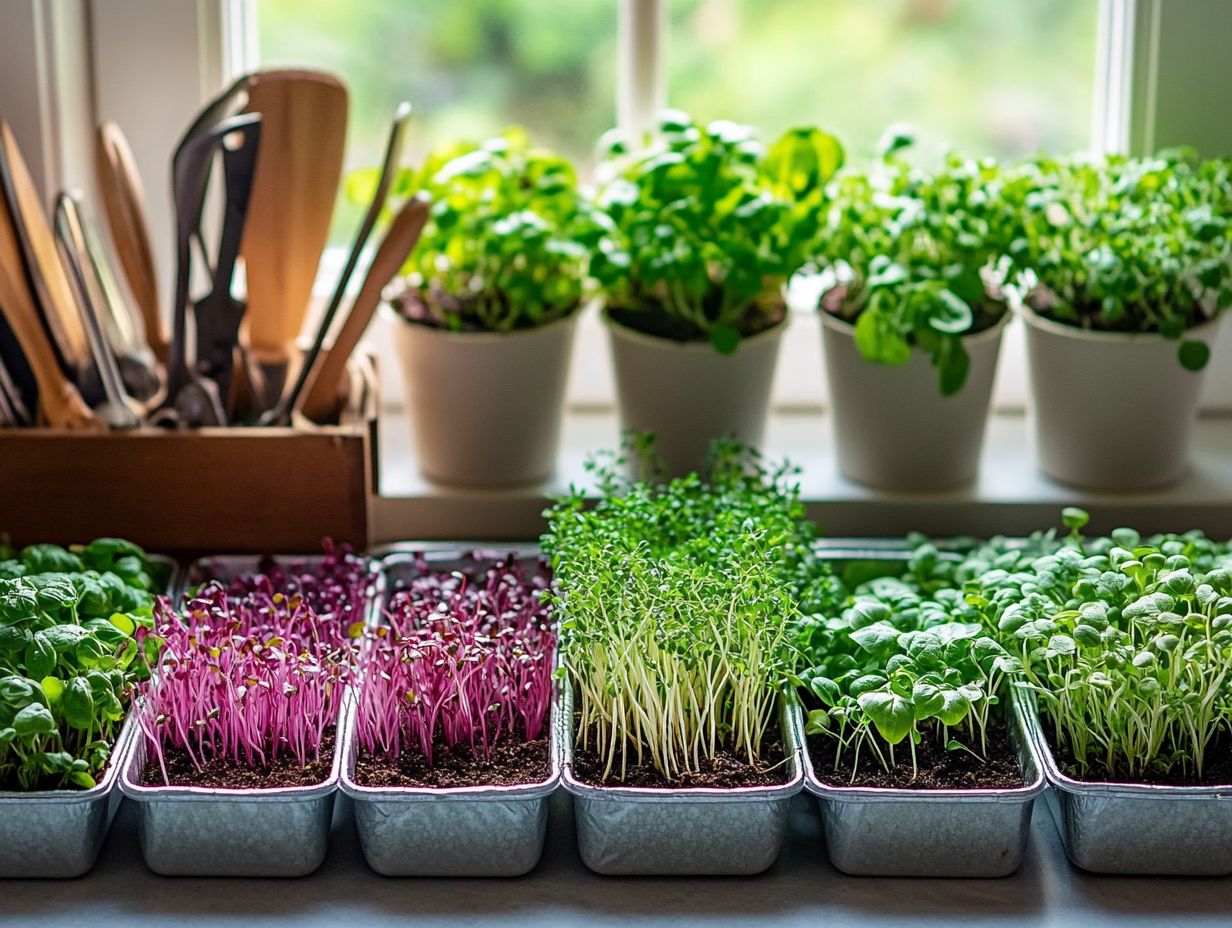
76,635
901,661
917,258
1127,645
675,601
1127,244
501,249
464,660
697,232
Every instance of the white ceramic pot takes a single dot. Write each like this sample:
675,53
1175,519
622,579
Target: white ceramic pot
485,407
893,429
687,394
1112,410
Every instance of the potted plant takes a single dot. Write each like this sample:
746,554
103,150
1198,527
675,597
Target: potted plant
236,772
450,758
75,639
912,310
485,319
920,763
1125,644
675,602
695,235
1128,266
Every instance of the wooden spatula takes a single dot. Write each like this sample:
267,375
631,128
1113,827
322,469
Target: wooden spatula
59,402
320,397
52,291
124,206
303,135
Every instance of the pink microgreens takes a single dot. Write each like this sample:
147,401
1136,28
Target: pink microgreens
465,659
244,679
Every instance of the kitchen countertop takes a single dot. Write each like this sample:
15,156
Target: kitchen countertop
801,889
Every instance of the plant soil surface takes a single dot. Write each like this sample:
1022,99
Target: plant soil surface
221,773
655,322
938,768
1217,771
514,762
724,771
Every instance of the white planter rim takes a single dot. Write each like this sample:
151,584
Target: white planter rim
834,323
1052,327
474,337
697,345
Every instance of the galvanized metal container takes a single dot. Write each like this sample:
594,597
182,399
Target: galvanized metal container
679,832
474,831
198,831
940,833
58,833
1132,828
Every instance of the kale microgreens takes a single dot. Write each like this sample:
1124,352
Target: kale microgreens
697,232
463,660
1127,244
76,634
901,660
916,258
675,601
501,249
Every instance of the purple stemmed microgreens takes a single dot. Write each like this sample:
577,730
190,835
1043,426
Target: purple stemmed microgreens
464,660
246,680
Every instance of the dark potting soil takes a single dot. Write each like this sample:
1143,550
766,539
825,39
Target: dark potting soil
221,773
661,325
724,771
938,768
514,762
1217,771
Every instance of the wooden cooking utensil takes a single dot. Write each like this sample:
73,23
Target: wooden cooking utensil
320,397
59,402
124,206
51,289
304,118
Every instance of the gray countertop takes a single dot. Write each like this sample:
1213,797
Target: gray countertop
801,889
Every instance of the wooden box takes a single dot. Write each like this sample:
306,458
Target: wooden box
210,490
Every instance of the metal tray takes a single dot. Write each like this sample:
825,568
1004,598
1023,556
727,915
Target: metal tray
472,831
678,832
1133,828
228,567
59,833
939,833
194,831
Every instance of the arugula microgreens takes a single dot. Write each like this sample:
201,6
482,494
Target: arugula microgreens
697,232
917,259
76,635
676,601
1127,244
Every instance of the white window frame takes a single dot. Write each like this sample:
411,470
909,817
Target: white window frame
1162,78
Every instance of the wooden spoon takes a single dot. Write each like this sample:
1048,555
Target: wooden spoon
52,291
320,397
124,206
303,135
59,402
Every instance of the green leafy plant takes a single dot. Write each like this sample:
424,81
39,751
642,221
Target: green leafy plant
1127,646
75,637
917,259
900,662
1127,244
501,249
697,232
675,602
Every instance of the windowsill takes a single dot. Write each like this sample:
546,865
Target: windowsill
1009,497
